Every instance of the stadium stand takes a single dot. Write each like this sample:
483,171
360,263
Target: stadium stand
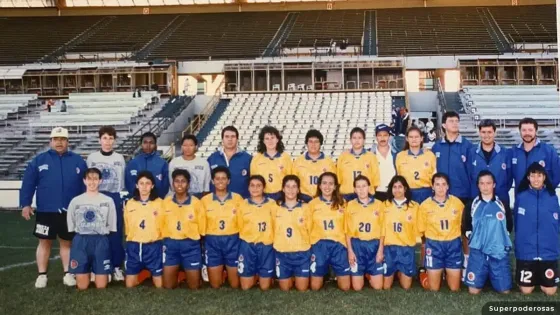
433,31
334,114
321,28
527,24
11,104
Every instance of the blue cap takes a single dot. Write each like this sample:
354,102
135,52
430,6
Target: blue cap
382,127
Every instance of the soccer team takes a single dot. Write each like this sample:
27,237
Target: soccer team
266,217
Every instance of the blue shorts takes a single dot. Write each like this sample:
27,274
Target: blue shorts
421,194
327,253
480,267
306,198
186,253
90,253
221,250
294,264
444,254
140,256
255,259
399,258
365,252
349,197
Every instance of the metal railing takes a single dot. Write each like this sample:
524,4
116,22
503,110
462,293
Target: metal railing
442,106
199,121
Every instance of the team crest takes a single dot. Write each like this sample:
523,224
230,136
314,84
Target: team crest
313,257
340,210
191,216
549,273
281,167
133,173
500,216
455,211
541,162
244,173
77,170
376,213
504,166
471,276
514,161
155,213
74,264
426,164
234,211
241,258
409,218
428,251
367,165
301,220
464,158
555,215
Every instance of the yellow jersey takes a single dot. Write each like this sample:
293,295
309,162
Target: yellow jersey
143,221
399,223
291,228
416,169
328,223
364,221
273,169
440,221
351,165
221,216
182,221
309,170
255,221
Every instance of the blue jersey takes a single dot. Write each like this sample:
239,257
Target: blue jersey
499,165
541,153
486,225
536,225
56,178
452,160
239,166
148,162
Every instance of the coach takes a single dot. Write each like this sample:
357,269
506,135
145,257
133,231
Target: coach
532,150
57,177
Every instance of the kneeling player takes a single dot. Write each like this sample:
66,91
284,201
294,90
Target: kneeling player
256,256
399,232
185,222
364,220
143,219
439,221
536,232
486,224
92,216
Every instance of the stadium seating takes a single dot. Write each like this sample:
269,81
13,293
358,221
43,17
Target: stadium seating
527,24
11,103
334,114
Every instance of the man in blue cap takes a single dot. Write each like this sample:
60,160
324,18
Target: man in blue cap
386,153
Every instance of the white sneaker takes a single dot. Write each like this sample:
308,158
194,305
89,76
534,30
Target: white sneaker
118,274
69,280
41,282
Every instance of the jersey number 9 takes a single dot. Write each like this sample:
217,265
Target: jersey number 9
289,232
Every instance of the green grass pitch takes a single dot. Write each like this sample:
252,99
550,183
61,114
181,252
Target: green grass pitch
18,295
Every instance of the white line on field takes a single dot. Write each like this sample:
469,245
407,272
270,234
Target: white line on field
23,264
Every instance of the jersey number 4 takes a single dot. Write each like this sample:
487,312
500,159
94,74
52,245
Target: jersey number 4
142,225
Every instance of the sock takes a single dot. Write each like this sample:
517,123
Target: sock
42,273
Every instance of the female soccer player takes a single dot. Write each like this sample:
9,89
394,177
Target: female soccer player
292,224
416,165
486,224
92,216
364,220
222,232
256,256
271,162
184,224
143,219
327,234
399,233
357,161
536,232
439,221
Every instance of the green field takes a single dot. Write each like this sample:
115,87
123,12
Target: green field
18,295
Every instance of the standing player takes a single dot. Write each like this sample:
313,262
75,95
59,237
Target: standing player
112,165
184,225
357,161
416,165
439,221
532,150
386,155
57,177
256,256
536,233
452,154
271,162
198,168
399,234
148,160
292,224
309,166
364,220
327,234
221,242
238,162
143,220
92,216
486,224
